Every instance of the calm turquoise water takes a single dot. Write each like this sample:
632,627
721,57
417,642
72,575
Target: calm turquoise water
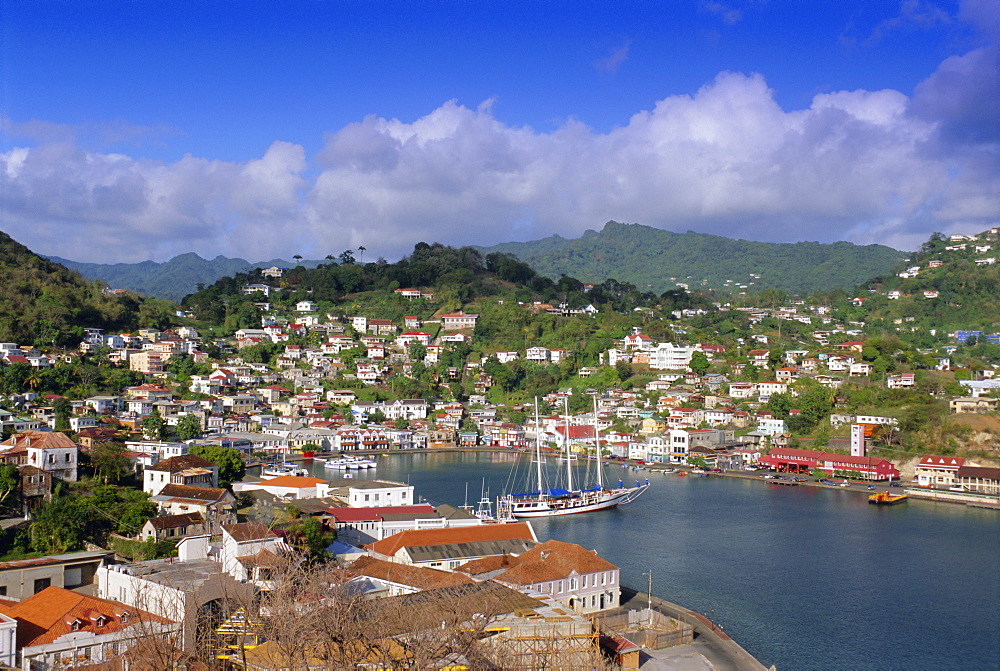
802,578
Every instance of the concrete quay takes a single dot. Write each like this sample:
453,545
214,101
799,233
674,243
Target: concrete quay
712,649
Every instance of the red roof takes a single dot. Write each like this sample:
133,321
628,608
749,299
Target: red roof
577,432
375,514
948,463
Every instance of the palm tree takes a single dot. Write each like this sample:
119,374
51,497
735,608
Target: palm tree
361,253
32,380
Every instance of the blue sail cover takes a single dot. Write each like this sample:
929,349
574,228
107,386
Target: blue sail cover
549,492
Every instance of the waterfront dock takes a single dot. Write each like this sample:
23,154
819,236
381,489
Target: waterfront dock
712,647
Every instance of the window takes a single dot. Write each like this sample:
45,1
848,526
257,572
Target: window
42,583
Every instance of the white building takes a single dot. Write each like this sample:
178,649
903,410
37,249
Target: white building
668,356
373,493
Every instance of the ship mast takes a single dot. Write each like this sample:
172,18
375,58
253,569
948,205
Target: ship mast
538,449
569,463
597,438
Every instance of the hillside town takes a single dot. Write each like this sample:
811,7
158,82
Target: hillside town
198,557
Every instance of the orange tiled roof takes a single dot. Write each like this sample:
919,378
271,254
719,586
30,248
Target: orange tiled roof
414,576
553,560
50,614
44,439
422,537
488,564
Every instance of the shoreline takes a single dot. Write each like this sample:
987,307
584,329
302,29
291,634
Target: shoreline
940,496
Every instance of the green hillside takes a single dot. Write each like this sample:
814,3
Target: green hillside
656,260
44,303
964,273
173,279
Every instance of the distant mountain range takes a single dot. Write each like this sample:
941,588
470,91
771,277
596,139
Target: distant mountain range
171,279
656,260
650,258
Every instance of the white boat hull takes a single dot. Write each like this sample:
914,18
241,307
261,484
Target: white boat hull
583,502
350,463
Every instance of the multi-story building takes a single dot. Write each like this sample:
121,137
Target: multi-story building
575,576
668,356
51,452
187,469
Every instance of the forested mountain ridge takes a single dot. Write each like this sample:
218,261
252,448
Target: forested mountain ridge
656,260
45,303
650,258
171,279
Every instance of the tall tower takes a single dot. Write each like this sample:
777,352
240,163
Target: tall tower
857,440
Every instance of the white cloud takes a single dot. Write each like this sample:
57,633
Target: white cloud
866,166
60,200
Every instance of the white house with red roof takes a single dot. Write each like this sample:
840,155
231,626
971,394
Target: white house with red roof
712,350
638,341
937,471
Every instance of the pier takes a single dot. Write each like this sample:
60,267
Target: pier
712,648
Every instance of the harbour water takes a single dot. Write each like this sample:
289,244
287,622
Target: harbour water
802,578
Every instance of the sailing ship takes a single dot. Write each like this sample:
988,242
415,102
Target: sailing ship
566,501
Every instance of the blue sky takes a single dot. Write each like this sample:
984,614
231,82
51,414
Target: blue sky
138,130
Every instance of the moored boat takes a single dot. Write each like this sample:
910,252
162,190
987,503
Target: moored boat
349,463
277,470
886,498
566,501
